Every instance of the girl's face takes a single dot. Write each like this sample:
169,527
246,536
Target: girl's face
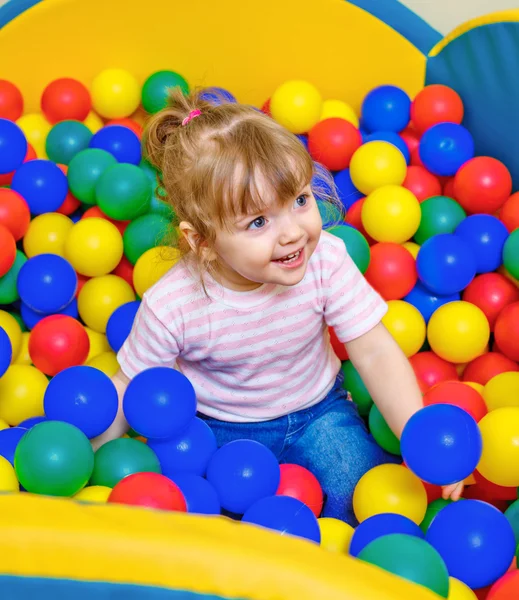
249,254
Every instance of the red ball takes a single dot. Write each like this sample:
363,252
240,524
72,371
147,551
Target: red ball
333,142
506,331
436,104
71,203
81,280
354,218
411,138
506,588
509,213
338,347
458,394
95,211
392,270
128,123
448,188
66,99
301,484
430,369
266,108
422,183
11,101
476,492
151,490
14,213
6,178
58,342
483,368
8,250
434,492
482,185
493,491
491,292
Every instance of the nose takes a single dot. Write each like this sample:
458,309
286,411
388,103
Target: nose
290,232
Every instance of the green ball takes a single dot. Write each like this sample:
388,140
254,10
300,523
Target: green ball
382,433
85,169
54,458
512,514
65,140
157,206
354,384
432,510
439,215
123,192
511,254
411,558
155,89
330,214
356,245
144,233
8,289
119,458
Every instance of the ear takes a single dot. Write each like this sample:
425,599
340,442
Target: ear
195,241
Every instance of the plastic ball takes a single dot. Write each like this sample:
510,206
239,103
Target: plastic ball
8,480
120,324
298,482
380,525
390,489
31,318
119,458
11,326
97,494
122,143
217,96
502,391
100,297
354,218
486,237
386,108
13,146
509,213
347,192
491,292
144,233
439,215
47,234
354,384
8,245
65,140
156,89
445,147
31,422
287,515
200,496
54,459
407,326
458,332
6,351
483,368
14,213
458,394
430,369
65,99
11,101
84,171
123,192
296,105
332,143
382,433
436,104
483,185
432,510
475,540
159,403
392,138
511,254
94,212
335,535
22,388
36,128
243,472
338,108
505,588
391,271
422,183
377,164
151,490
115,94
152,265
105,362
356,245
426,301
42,184
506,331
9,439
130,124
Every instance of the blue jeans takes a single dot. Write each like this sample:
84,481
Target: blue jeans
330,439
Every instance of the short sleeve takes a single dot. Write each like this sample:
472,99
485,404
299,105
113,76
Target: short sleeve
351,306
150,343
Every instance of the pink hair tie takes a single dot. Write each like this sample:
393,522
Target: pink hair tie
192,115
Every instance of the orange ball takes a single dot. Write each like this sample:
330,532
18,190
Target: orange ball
509,213
8,252
391,271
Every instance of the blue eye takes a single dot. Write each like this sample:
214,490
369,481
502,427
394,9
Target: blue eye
259,222
302,200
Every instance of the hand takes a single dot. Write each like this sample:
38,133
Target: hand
453,491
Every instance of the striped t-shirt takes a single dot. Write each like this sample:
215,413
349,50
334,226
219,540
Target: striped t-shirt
257,355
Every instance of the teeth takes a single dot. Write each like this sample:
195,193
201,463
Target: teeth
290,257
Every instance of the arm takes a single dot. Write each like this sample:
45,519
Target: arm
119,427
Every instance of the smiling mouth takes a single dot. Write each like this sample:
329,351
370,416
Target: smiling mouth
289,258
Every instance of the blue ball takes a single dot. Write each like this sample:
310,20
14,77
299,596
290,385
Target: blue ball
47,283
348,193
65,140
6,351
486,236
188,453
159,403
42,184
13,146
31,318
475,540
445,147
243,472
84,397
201,497
122,143
9,439
427,302
392,138
386,108
216,95
441,444
445,264
303,138
379,525
31,422
120,324
286,515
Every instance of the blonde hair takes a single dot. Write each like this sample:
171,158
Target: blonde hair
207,170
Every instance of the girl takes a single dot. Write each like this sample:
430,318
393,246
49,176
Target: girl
245,313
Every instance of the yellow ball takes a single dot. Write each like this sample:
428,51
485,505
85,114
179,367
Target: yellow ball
377,164
93,122
99,297
11,326
152,265
94,247
21,393
296,105
476,386
338,108
24,358
8,479
106,362
115,93
335,535
93,493
3,425
406,324
36,128
499,461
47,234
458,332
390,489
412,247
502,391
459,591
98,344
391,214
